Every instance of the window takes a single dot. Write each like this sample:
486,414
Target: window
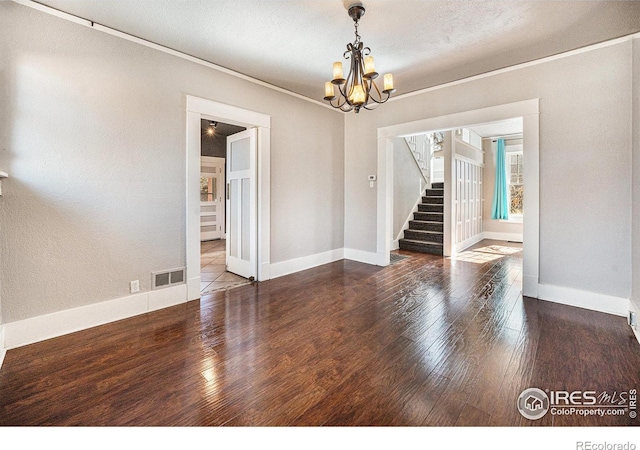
207,189
515,179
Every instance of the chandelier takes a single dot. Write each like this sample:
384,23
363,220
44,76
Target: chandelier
358,90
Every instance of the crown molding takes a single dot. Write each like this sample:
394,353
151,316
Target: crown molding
129,37
96,26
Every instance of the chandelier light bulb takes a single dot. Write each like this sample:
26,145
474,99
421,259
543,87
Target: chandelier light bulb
329,91
337,71
388,83
369,68
357,97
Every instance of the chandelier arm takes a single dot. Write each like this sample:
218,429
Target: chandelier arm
338,105
347,87
380,96
380,102
343,87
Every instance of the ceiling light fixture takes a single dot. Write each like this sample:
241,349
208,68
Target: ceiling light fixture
359,89
212,128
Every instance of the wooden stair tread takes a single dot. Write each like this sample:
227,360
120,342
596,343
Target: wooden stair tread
413,241
423,231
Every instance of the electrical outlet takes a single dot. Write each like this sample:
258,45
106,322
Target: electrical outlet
135,286
633,320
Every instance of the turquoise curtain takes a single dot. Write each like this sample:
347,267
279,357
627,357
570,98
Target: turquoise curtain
500,208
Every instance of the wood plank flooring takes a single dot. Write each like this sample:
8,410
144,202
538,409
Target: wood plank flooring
426,341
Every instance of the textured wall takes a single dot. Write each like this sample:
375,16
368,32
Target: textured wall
213,146
93,137
408,184
585,161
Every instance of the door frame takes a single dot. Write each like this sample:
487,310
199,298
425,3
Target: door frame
196,109
529,110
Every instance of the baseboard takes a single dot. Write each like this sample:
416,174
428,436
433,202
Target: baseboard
635,330
264,271
530,286
40,328
193,288
3,351
361,256
583,299
283,268
513,237
469,242
395,245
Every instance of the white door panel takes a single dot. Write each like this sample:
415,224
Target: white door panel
242,204
212,212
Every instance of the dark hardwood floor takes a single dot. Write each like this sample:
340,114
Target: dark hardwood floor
426,341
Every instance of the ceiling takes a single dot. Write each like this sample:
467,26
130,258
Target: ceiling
221,129
292,43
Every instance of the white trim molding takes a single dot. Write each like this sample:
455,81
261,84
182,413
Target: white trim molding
494,235
129,37
364,257
197,108
473,240
102,28
3,351
40,328
523,65
529,110
636,331
290,266
584,299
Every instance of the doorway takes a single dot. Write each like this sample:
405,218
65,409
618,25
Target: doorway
259,236
215,274
528,110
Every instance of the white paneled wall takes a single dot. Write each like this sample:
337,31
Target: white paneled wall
468,203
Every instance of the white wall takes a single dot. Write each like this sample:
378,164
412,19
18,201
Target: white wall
93,136
495,227
585,108
408,184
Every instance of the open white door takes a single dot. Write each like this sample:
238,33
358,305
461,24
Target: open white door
242,254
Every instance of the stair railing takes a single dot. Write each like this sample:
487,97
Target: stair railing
420,147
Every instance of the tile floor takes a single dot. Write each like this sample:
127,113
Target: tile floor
213,274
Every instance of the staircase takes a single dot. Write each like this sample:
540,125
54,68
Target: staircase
426,231
420,147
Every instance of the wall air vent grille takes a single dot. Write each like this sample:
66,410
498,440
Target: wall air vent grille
167,278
